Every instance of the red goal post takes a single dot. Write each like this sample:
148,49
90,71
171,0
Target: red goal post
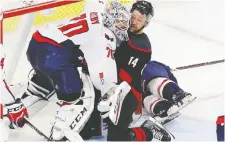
29,9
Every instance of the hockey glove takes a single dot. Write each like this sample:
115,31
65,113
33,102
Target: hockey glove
16,113
110,106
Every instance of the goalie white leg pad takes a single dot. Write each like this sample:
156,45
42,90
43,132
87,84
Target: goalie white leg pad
73,136
70,119
120,93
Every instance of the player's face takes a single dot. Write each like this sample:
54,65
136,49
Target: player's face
138,21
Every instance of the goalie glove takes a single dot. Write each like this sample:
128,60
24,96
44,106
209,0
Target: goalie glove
111,103
105,103
16,112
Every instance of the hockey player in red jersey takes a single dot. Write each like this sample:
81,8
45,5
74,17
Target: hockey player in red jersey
131,57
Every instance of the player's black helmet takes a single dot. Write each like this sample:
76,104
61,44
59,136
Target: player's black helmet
144,7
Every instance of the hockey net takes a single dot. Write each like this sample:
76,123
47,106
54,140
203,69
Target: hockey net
19,19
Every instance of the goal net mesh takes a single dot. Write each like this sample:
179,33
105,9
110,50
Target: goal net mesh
60,13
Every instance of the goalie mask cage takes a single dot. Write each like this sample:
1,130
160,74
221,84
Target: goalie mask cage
19,19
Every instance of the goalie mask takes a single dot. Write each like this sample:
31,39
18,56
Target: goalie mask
117,19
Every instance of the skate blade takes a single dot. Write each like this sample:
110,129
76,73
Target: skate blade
186,104
167,119
179,107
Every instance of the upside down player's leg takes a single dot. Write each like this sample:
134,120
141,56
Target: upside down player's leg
157,79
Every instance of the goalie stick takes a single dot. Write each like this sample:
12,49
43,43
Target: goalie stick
166,119
37,130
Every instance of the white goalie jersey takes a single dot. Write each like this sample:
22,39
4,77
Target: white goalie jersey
80,28
96,42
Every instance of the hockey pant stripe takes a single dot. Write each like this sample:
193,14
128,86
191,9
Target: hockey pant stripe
160,86
140,134
38,37
138,96
124,76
